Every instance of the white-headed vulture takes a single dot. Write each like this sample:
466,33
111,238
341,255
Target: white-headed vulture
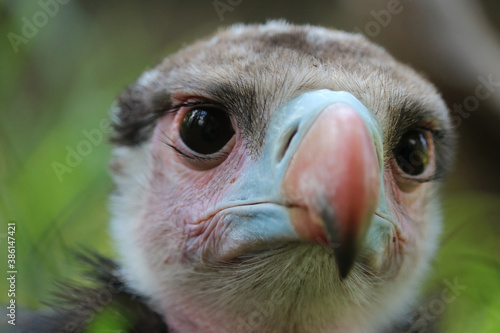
274,179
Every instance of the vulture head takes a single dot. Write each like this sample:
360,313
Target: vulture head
279,178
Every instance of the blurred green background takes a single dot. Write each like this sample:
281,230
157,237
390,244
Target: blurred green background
59,76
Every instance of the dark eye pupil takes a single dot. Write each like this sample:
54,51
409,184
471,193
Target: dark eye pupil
206,130
412,153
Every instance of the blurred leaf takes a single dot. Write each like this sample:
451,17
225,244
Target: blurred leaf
470,257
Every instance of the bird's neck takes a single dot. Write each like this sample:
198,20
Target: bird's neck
255,322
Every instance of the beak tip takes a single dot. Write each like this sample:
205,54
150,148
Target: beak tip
343,244
344,258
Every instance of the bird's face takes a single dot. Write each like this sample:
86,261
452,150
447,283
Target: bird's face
278,178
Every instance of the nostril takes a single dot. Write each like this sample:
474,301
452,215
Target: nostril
287,139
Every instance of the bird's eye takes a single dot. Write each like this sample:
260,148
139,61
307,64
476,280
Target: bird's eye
412,153
206,130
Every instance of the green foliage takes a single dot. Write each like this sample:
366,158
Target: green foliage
109,320
470,254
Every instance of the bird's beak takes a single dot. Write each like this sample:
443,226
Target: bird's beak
318,178
333,179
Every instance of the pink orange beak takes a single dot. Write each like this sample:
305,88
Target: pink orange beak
333,183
